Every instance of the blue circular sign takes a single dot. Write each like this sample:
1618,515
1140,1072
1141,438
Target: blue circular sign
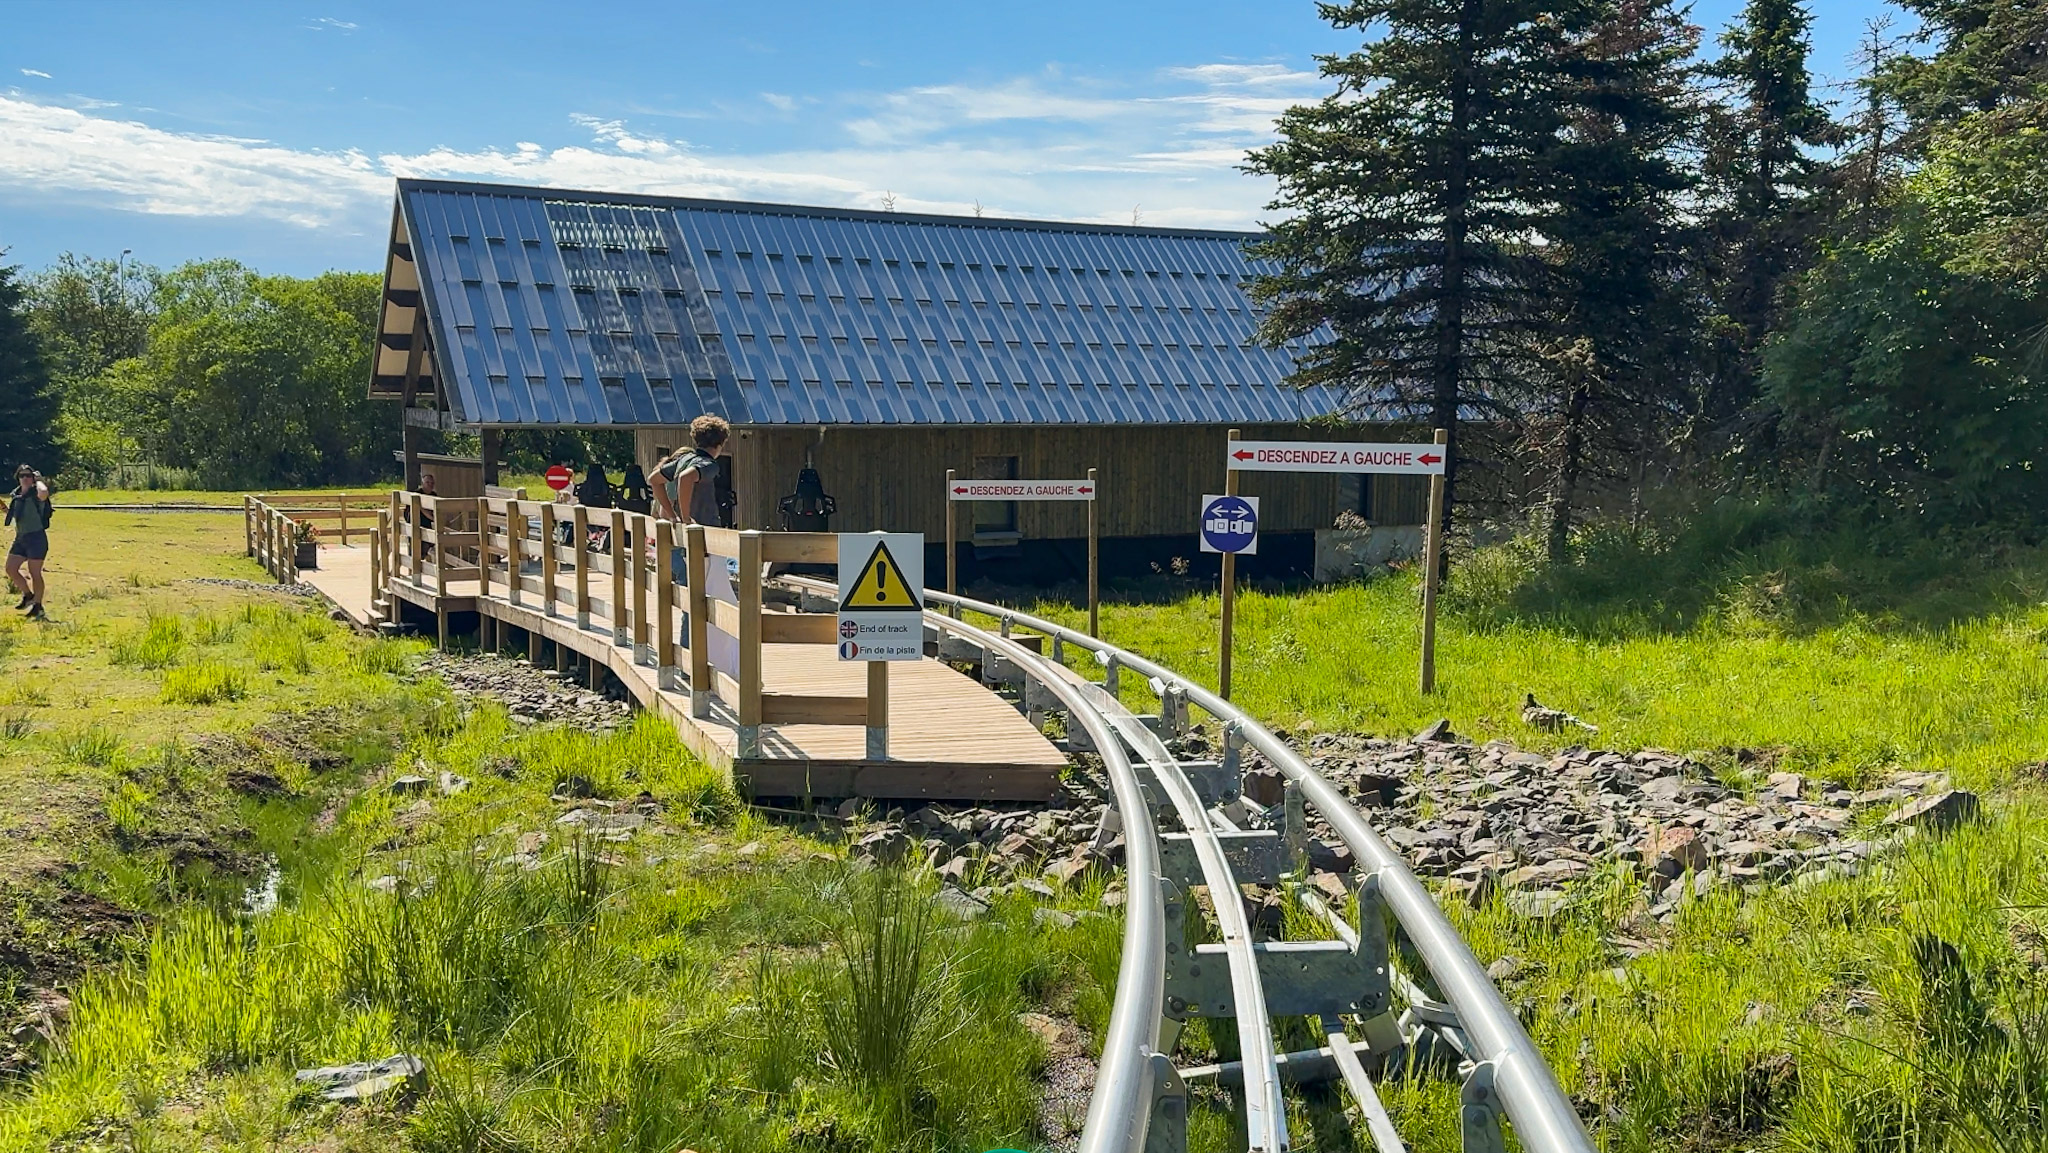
1230,524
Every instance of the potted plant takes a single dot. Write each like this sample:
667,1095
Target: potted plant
305,545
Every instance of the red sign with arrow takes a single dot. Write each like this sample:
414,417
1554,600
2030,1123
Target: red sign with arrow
1022,490
1315,456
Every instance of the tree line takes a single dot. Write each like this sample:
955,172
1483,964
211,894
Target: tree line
1560,227
213,373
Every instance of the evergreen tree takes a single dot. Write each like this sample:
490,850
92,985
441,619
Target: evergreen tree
1989,54
1611,363
1409,195
1765,186
28,405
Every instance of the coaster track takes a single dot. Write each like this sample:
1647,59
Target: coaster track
1373,1016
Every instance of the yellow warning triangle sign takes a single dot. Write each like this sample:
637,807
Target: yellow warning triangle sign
880,586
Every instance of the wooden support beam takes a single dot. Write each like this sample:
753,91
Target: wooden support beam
642,545
749,707
620,558
809,709
701,687
580,530
664,606
549,566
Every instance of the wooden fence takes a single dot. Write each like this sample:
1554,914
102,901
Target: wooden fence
611,577
272,538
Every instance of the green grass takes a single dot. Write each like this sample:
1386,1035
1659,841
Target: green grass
1803,1018
1900,666
209,683
654,994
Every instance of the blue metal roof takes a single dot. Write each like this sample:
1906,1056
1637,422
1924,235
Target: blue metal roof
548,307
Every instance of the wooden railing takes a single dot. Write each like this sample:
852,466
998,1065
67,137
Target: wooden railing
272,538
704,636
351,513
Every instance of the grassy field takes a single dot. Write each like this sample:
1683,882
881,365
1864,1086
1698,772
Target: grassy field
720,981
1902,1009
168,743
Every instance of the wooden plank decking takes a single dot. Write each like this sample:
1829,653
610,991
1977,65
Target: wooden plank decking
949,737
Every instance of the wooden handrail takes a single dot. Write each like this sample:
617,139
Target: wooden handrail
628,588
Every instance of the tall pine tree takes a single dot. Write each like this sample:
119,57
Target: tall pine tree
1408,198
1617,241
1988,54
1765,187
28,405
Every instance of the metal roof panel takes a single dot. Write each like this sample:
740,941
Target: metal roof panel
572,308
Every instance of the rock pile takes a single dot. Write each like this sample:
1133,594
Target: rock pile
533,695
986,851
1491,815
300,589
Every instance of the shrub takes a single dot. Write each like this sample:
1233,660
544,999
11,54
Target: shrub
156,647
93,745
876,1015
204,684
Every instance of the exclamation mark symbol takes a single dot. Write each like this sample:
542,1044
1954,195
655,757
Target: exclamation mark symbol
881,579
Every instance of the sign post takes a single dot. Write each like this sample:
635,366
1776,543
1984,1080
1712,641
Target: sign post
881,615
1082,490
1230,525
952,560
1432,551
1312,456
559,477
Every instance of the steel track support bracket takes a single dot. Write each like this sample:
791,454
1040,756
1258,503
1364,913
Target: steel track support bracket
1296,824
1479,1109
1167,1130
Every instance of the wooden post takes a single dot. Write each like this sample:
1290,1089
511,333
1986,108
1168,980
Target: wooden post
641,544
440,573
878,708
579,527
397,537
952,562
750,644
548,563
249,524
377,547
417,550
1094,598
342,502
696,562
515,551
1229,585
483,549
1432,552
488,445
664,606
620,553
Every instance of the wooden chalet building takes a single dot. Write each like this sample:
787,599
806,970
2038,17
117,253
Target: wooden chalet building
883,348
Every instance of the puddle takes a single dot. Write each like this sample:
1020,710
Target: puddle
260,899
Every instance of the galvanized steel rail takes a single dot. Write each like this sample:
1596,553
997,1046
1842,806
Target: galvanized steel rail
1502,1071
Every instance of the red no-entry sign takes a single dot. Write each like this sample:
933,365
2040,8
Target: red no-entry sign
559,477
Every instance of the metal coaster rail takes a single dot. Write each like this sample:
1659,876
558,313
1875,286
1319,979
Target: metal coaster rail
1139,1101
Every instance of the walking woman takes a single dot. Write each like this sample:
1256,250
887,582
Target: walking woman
29,513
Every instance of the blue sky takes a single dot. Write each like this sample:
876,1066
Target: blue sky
270,132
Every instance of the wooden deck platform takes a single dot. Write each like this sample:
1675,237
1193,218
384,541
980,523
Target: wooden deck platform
949,736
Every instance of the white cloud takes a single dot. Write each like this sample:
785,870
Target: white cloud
329,23
780,102
1047,146
37,72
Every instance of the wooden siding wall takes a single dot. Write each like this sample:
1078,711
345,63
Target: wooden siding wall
1152,477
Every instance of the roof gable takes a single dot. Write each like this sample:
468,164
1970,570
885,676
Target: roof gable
562,308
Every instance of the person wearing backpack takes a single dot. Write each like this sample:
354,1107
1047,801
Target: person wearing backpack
686,482
29,512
